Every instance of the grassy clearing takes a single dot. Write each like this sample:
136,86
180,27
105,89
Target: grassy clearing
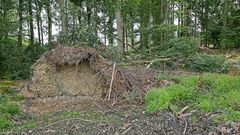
9,107
206,93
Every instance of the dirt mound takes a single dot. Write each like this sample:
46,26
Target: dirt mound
76,72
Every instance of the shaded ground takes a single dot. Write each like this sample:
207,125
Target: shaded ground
121,120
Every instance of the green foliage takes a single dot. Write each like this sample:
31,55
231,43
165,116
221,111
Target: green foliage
207,93
16,61
179,47
4,122
8,106
208,63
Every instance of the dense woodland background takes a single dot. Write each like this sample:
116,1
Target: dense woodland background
140,28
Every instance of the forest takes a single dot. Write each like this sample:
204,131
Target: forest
176,61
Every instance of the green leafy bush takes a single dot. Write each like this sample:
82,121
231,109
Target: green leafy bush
207,93
208,63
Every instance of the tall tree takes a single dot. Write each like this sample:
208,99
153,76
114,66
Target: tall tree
63,17
120,34
49,17
30,12
20,22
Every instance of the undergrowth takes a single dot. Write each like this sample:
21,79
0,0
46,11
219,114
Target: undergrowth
9,107
206,93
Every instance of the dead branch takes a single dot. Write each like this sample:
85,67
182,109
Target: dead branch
66,120
111,83
186,125
184,109
126,131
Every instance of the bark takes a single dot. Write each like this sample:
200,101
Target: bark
38,5
63,17
20,15
145,14
110,29
30,11
120,29
49,16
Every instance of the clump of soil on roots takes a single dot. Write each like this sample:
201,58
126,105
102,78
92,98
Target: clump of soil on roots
65,77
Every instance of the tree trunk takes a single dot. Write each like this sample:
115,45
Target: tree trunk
63,18
145,13
88,13
20,15
49,16
38,9
159,7
120,29
30,11
110,29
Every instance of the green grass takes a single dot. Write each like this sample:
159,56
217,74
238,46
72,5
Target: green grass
206,93
8,105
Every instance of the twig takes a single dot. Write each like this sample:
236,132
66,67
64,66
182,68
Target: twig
111,83
126,131
110,107
186,125
65,121
163,130
184,109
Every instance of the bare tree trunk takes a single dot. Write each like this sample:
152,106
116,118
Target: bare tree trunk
49,16
120,29
110,29
20,15
31,22
63,17
37,3
88,13
132,29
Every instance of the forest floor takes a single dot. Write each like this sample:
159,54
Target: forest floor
103,118
121,120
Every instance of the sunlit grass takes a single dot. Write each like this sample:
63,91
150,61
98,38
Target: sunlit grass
206,93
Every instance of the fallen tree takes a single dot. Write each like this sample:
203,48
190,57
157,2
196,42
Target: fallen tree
82,72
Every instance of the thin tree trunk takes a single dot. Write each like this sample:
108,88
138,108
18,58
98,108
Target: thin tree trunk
20,15
63,17
145,13
30,11
132,29
88,13
110,29
37,3
49,16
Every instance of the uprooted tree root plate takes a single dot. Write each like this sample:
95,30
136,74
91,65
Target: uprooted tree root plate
64,76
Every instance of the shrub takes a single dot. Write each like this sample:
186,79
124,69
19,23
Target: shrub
208,63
